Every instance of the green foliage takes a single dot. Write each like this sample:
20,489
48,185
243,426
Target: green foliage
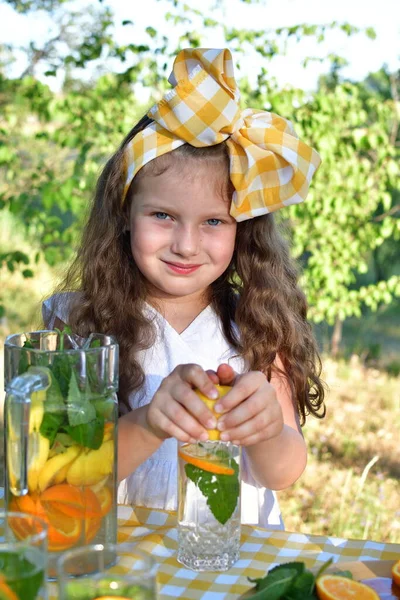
52,146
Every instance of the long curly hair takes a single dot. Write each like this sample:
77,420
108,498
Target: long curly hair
261,307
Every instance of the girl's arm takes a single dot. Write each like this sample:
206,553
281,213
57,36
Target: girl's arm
262,417
136,443
278,462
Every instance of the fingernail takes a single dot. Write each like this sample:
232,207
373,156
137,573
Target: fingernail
213,394
192,441
211,424
225,437
204,437
221,425
219,408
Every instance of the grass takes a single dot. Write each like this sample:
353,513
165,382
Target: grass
351,486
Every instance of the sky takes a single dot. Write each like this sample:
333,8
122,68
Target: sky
364,55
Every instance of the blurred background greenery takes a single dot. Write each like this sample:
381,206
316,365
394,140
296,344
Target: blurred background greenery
67,99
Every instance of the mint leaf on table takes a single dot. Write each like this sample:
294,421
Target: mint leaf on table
276,584
289,581
221,491
262,582
80,410
302,587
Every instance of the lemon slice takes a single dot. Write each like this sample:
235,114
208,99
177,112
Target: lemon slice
213,434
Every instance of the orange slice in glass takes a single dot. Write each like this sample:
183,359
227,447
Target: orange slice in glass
64,531
213,434
6,592
92,527
202,458
79,503
104,497
335,587
396,573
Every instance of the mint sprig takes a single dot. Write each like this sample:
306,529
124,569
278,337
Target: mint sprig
221,491
290,581
68,410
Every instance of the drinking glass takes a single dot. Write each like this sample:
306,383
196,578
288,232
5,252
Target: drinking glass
209,505
23,556
104,571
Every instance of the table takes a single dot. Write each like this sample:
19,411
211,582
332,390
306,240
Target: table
155,532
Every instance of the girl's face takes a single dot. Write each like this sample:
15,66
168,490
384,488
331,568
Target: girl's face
182,235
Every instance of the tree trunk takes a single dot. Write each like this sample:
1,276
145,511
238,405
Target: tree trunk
336,337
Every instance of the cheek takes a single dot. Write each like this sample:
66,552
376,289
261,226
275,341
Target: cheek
145,239
221,247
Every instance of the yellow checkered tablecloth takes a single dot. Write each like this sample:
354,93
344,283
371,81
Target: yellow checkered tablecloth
155,532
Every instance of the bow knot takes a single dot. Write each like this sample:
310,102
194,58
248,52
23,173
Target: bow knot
269,166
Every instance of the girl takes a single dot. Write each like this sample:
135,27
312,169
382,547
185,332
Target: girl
181,261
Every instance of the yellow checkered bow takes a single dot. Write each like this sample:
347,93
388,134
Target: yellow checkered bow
269,166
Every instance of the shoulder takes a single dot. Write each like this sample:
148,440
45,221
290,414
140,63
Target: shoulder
58,306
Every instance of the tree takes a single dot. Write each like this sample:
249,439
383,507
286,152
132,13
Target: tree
52,145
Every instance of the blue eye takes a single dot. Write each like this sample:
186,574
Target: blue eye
161,215
214,222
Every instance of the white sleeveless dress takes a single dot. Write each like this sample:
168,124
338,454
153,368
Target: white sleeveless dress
154,483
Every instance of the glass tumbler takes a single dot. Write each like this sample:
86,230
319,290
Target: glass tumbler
105,571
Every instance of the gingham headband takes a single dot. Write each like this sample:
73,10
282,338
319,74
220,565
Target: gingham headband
269,166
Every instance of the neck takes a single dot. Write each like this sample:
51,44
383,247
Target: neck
180,312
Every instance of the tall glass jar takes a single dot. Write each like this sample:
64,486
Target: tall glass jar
60,443
209,505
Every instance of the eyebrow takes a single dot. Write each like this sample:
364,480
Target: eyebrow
169,209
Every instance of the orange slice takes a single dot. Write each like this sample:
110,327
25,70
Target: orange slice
72,501
396,573
335,587
64,531
6,593
213,434
104,497
200,457
92,527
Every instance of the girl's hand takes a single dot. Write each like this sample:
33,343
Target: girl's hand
177,411
252,412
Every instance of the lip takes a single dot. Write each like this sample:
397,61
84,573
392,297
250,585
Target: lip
182,268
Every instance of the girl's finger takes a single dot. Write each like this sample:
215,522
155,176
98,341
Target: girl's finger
173,430
259,423
198,378
213,376
188,398
252,439
244,411
182,417
226,374
244,387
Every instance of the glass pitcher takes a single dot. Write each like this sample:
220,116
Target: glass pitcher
60,435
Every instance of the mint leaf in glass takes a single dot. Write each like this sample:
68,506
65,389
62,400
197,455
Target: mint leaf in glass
80,410
221,491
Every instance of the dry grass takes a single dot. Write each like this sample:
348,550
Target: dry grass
351,487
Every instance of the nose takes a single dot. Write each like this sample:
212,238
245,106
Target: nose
186,241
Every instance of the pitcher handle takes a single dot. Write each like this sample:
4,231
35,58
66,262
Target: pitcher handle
16,416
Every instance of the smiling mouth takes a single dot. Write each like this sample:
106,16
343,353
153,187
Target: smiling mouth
182,268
